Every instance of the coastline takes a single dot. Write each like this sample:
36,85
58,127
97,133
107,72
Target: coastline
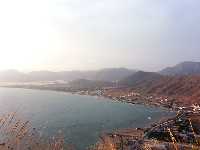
114,99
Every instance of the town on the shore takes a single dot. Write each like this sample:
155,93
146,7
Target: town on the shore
179,132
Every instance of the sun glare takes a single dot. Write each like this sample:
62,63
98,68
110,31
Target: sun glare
27,34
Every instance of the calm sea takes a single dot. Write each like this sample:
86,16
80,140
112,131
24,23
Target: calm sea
81,118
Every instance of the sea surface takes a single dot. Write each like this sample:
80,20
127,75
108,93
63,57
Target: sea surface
81,118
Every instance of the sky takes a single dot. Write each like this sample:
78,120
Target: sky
92,34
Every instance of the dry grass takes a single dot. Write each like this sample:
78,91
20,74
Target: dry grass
111,143
106,143
16,134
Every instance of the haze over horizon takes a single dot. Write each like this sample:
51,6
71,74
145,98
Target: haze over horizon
61,35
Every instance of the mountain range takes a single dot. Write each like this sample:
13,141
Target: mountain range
108,74
181,80
184,68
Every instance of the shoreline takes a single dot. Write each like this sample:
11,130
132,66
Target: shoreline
114,99
160,135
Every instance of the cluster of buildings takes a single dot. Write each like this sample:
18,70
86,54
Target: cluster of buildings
180,132
184,128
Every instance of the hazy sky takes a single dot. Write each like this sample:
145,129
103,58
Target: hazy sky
92,34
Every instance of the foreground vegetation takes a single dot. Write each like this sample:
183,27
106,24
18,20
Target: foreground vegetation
17,134
180,132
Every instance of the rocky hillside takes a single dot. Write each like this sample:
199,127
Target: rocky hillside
140,78
185,68
185,88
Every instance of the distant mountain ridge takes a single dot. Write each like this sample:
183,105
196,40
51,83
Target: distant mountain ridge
113,74
184,68
181,81
109,74
140,77
83,84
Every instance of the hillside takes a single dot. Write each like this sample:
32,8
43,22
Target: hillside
113,74
184,88
184,68
140,78
12,76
